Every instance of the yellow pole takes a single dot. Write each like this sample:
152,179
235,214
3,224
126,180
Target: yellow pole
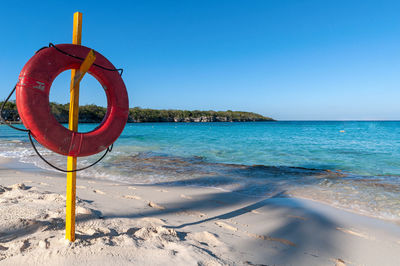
76,77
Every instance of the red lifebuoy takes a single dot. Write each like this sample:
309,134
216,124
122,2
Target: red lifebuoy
32,96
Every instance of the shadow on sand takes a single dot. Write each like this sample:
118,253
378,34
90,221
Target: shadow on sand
300,231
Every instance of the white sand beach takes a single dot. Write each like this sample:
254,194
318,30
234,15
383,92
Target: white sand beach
120,224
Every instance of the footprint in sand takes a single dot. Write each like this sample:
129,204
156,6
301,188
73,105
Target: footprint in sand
156,206
43,184
132,197
226,226
186,197
81,187
98,192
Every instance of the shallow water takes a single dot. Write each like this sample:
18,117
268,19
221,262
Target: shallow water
353,165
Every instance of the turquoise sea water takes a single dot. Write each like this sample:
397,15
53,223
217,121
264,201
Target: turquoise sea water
352,165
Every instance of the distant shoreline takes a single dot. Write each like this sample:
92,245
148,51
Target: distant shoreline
148,122
95,114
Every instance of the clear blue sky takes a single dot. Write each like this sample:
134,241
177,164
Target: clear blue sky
292,60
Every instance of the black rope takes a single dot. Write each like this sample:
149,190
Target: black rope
44,47
2,109
80,58
109,149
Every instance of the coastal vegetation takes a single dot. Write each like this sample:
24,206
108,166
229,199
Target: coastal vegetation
94,114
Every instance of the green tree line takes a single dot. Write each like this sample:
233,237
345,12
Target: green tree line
94,114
